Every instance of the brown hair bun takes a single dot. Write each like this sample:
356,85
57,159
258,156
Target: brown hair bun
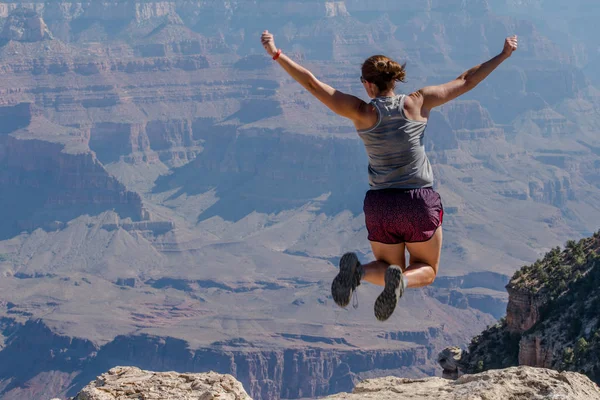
383,71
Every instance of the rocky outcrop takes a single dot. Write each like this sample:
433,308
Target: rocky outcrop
555,192
78,178
58,174
551,319
135,10
91,184
533,352
167,141
450,359
468,115
513,383
547,123
483,291
25,26
336,9
125,382
66,65
523,382
523,310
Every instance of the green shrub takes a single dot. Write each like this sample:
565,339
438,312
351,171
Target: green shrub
568,357
517,274
480,366
582,348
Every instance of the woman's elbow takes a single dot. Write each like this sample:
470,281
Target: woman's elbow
469,84
312,84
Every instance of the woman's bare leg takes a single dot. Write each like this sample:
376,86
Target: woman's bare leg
423,264
385,255
424,261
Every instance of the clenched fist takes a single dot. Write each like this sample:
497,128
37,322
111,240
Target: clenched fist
268,42
510,45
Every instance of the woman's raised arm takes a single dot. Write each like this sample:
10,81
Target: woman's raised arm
340,103
434,96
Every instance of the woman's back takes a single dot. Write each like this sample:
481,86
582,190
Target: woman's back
408,216
395,148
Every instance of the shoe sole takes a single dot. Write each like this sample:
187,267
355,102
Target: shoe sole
387,300
341,287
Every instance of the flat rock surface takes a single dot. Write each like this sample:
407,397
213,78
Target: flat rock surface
519,383
134,383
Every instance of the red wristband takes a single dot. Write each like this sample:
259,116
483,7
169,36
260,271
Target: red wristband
276,56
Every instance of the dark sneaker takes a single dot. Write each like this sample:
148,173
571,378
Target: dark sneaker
394,289
347,280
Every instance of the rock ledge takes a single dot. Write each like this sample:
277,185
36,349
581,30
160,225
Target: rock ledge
126,382
517,383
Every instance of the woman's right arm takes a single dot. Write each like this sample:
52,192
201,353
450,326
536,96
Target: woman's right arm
434,96
340,103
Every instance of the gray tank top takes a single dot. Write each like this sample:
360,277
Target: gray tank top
395,148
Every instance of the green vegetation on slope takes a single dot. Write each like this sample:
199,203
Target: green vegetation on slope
566,285
495,348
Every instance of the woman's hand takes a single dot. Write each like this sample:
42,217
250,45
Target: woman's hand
434,96
268,42
510,45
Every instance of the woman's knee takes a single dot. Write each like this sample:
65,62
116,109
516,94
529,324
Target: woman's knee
427,272
432,276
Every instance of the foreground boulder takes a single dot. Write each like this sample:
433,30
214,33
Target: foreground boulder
450,359
517,383
133,383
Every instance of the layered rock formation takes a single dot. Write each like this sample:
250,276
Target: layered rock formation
25,26
481,291
165,187
552,319
122,383
523,383
511,383
101,73
49,177
288,364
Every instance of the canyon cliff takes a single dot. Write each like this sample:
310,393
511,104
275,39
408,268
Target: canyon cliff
552,319
171,199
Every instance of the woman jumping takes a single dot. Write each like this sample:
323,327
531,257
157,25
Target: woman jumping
402,211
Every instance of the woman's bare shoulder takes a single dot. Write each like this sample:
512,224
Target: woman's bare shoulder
413,107
368,116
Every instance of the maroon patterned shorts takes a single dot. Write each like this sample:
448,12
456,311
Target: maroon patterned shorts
396,216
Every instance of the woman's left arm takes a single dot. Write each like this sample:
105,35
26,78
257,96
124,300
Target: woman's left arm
340,103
